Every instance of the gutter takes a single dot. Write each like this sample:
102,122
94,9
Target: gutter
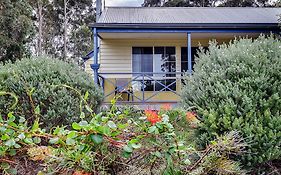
187,26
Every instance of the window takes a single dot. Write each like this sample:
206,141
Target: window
184,59
159,61
142,59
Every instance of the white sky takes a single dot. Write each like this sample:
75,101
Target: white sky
133,3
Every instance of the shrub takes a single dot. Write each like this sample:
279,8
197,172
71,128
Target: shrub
113,142
238,87
53,85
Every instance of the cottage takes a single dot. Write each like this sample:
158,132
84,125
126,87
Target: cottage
142,53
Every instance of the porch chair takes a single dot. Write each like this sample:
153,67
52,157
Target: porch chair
122,86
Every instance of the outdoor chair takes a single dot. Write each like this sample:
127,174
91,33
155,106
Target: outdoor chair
122,86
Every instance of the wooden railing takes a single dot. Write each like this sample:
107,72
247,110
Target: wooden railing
137,84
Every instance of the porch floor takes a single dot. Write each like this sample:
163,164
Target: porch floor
142,106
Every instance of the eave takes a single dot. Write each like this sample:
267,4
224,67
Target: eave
186,26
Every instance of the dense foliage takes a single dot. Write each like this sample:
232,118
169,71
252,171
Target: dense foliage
38,27
16,29
238,87
47,85
114,142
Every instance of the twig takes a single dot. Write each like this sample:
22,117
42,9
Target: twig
137,156
8,161
201,158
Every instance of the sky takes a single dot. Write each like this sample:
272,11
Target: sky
134,3
130,3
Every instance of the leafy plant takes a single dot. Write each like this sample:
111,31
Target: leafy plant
59,88
165,151
114,142
237,87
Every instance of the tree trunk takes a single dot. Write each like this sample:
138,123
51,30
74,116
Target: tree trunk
40,23
65,31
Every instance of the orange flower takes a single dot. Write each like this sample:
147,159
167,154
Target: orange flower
166,107
192,119
152,116
191,116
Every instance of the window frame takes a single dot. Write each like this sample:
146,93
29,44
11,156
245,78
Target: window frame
194,55
154,76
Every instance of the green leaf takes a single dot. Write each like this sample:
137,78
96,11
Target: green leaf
111,124
28,140
13,124
10,143
12,171
88,109
11,119
134,141
56,131
5,166
17,146
76,126
70,141
37,110
136,146
97,139
151,129
54,140
83,123
104,119
22,120
105,130
187,162
82,115
71,135
12,152
86,96
126,154
37,140
128,149
2,129
31,91
10,114
21,136
35,126
5,137
158,154
122,126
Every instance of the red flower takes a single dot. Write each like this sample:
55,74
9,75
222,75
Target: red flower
166,107
152,116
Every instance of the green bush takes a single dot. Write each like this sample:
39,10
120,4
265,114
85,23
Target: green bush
54,86
238,87
115,142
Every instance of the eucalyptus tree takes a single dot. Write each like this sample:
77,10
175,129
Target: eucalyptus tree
41,9
72,18
16,29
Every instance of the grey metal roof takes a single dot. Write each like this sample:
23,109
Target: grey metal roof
187,15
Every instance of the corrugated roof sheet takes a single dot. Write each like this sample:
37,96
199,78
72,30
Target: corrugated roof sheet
183,15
